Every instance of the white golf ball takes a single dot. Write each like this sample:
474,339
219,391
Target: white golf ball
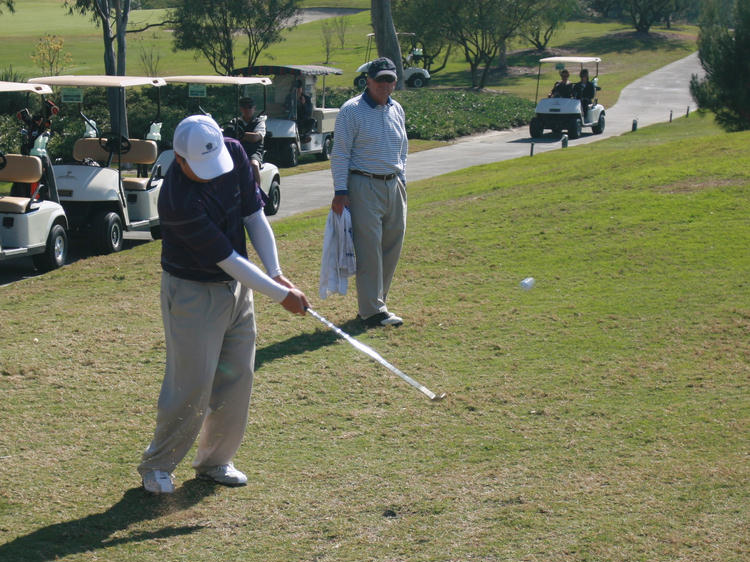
528,283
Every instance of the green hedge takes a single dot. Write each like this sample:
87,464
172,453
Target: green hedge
433,114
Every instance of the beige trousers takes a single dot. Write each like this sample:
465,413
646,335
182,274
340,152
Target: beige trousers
209,329
378,211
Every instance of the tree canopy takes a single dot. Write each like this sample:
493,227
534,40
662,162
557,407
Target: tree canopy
209,27
725,56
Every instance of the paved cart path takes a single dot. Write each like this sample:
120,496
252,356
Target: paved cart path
649,100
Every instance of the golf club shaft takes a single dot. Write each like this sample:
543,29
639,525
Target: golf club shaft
375,355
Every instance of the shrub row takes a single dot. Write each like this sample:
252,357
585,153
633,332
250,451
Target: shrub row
435,114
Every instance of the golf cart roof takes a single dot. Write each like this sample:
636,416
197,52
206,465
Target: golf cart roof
23,87
236,80
577,60
103,81
293,69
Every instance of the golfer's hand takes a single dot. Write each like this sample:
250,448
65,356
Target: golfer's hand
339,202
281,280
296,302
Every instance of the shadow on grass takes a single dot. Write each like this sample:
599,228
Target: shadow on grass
94,532
624,42
303,343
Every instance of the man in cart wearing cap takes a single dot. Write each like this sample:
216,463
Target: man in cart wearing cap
206,204
250,129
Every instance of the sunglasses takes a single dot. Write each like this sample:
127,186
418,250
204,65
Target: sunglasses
386,78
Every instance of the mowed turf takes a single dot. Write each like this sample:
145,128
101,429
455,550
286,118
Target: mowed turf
600,416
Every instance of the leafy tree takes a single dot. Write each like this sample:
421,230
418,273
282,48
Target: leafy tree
420,17
725,56
49,55
263,23
539,30
645,13
482,28
209,27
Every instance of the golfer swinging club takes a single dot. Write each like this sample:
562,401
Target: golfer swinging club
207,304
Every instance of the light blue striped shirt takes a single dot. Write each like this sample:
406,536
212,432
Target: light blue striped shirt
370,138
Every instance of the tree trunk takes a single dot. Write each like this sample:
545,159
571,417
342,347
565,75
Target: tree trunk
122,14
385,36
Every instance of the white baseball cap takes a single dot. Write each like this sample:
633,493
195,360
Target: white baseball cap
198,139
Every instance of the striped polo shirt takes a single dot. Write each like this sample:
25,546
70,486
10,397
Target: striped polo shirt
201,223
370,138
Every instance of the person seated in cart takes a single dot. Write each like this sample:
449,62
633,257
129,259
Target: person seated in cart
300,108
250,130
584,90
563,88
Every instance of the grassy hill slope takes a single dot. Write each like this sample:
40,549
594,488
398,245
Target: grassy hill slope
602,415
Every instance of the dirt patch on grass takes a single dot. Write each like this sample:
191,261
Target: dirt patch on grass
695,185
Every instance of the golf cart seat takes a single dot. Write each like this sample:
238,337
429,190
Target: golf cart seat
325,118
21,169
140,152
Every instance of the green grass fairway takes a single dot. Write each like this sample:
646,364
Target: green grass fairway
601,416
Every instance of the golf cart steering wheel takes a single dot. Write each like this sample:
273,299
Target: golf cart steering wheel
109,142
231,129
3,160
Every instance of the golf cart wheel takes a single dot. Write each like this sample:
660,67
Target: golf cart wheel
274,198
55,252
108,229
417,81
536,129
290,154
598,129
325,154
576,127
360,81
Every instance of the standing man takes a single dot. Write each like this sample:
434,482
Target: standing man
250,130
207,304
368,163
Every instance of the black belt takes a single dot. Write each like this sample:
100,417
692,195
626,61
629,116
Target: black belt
384,177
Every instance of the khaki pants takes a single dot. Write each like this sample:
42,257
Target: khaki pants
209,329
378,211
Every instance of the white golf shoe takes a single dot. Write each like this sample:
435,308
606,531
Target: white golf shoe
158,482
224,474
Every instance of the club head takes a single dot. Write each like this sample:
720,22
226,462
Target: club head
439,397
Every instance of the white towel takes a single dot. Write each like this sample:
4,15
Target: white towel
338,262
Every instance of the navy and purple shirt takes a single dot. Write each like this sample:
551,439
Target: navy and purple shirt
201,223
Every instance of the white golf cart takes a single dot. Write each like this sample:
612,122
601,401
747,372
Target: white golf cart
270,179
99,200
559,114
33,225
414,76
285,143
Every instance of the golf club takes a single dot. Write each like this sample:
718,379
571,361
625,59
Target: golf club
379,358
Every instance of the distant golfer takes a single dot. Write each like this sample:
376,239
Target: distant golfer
207,198
368,163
